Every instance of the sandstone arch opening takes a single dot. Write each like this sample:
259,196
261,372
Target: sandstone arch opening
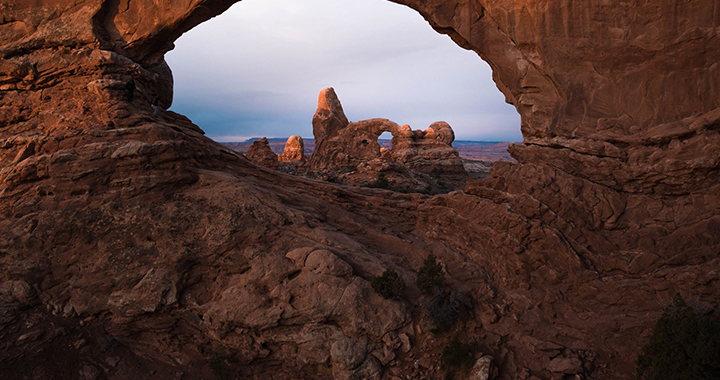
235,97
385,140
117,225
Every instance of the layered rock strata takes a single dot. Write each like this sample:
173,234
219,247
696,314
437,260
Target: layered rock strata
134,245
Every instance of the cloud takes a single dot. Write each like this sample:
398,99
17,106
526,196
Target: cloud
257,69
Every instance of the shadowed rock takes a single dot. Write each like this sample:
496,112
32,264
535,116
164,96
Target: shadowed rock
165,249
261,154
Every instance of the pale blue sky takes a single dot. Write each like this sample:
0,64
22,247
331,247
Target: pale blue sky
257,69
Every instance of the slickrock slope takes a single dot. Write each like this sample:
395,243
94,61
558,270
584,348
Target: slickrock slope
134,246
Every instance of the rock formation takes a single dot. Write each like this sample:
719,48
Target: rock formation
351,146
294,150
261,154
133,245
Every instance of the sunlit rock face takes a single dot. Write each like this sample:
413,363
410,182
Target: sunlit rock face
415,159
355,142
145,246
294,150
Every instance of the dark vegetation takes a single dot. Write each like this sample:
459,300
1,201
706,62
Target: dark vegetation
684,346
108,343
435,186
219,366
381,183
431,276
456,358
444,311
389,285
332,178
443,306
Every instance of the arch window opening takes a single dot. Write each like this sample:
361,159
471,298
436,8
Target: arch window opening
256,70
385,140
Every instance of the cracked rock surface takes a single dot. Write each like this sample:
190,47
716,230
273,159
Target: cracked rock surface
132,246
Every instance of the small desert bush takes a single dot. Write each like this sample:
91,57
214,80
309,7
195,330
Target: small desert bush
431,276
348,169
332,178
444,311
108,343
381,183
219,365
456,357
684,346
389,285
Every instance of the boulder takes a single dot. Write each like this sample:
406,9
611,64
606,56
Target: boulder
323,261
565,365
483,369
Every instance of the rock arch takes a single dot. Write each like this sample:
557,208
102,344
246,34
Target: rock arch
534,50
341,143
589,79
616,189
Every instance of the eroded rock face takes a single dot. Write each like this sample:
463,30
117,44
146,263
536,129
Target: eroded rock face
294,150
261,154
138,240
352,148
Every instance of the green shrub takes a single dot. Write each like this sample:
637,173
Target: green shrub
444,311
332,178
456,357
684,346
108,343
381,183
437,170
431,277
348,169
219,365
389,285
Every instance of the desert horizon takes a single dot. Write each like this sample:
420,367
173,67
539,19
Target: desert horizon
468,149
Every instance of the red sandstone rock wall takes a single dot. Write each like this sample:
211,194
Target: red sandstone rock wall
574,70
145,246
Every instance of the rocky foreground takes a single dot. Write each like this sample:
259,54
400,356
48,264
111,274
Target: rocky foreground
132,246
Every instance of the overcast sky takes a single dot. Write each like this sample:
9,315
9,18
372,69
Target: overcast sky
257,69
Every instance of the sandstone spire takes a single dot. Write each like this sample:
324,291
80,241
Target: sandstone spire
329,116
294,150
261,154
